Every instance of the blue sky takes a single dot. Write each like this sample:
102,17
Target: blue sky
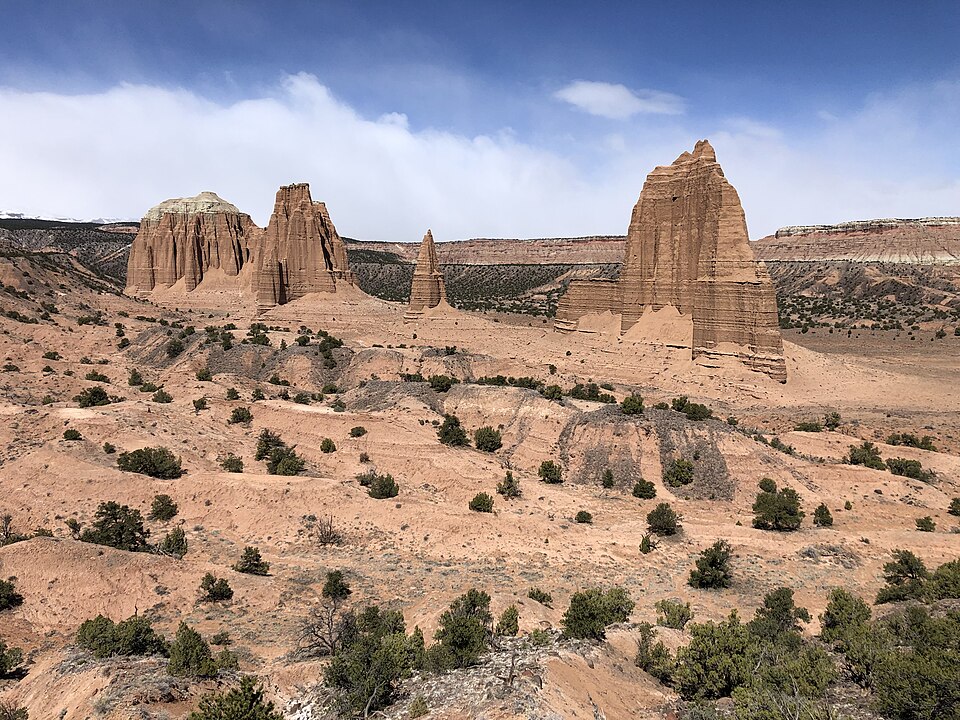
479,119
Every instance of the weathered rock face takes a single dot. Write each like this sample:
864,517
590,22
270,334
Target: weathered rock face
186,238
300,251
427,290
687,248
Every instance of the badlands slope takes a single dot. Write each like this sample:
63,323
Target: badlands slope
418,551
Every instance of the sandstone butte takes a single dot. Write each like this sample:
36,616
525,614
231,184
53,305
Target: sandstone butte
427,289
204,241
687,251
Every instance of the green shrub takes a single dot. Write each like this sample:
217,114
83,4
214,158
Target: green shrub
95,376
713,567
328,446
174,544
257,395
678,472
648,544
719,658
607,480
653,659
822,516
51,355
162,396
133,636
509,487
905,576
109,448
383,487
482,502
72,434
232,463
465,628
119,527
245,702
844,614
377,656
584,517
199,404
910,440
285,461
240,415
954,508
831,421
908,468
358,431
267,442
538,595
232,394
592,610
866,454
204,375
673,614
945,583
768,485
190,655
251,563
451,432
550,472
135,379
663,521
509,622
9,597
442,383
174,348
157,462
926,524
95,396
162,508
632,405
644,489
214,589
812,427
487,439
778,510
10,660
697,412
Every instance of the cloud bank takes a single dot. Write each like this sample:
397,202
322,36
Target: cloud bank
118,152
617,102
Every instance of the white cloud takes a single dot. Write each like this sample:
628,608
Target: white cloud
618,102
118,152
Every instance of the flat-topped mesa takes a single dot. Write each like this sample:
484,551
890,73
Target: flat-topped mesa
687,248
427,289
186,238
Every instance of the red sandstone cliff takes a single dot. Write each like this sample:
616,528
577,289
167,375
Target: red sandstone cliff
687,248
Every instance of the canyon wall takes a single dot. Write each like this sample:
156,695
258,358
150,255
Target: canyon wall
182,242
687,248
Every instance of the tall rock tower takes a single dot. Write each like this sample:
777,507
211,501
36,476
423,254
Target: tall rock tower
427,289
300,251
688,248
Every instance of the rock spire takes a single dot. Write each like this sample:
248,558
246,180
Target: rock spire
427,289
687,248
188,239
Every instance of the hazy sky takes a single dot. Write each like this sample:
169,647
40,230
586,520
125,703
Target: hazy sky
497,119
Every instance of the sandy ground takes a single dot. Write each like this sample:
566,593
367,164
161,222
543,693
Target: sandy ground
423,548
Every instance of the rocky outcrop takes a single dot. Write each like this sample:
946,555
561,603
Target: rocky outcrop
301,251
922,241
427,289
687,248
185,238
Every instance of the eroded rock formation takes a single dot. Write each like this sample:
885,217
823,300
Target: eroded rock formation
187,239
427,289
301,251
687,248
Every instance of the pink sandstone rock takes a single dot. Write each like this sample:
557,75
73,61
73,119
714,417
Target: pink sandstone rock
687,248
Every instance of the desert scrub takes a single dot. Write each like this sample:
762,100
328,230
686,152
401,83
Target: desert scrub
382,487
550,472
663,520
163,508
487,439
157,462
251,563
540,596
482,502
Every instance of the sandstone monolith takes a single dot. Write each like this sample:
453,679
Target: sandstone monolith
687,248
427,289
186,238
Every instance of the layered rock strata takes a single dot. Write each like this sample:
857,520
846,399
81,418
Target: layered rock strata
687,248
427,289
186,239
